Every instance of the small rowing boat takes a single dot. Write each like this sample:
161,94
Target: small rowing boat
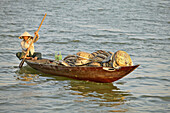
95,74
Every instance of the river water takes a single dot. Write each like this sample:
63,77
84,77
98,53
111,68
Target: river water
139,27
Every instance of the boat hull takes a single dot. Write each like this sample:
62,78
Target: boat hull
96,74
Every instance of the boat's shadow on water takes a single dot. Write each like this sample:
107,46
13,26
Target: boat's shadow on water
102,94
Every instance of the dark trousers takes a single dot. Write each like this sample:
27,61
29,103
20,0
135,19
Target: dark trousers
21,54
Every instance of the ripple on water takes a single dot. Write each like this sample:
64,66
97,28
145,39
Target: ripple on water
141,28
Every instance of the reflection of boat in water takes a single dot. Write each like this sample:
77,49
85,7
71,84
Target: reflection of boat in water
27,75
101,90
96,74
105,95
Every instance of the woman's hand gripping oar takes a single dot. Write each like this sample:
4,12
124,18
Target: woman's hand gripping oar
23,60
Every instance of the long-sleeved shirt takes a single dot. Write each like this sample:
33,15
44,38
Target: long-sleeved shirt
25,45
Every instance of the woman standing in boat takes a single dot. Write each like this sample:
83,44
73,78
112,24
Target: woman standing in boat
25,43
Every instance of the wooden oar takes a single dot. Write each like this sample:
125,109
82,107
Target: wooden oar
23,60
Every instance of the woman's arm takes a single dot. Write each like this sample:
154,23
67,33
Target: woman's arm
37,36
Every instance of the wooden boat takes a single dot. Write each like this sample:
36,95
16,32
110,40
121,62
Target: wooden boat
96,74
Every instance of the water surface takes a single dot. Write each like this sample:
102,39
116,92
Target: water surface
141,28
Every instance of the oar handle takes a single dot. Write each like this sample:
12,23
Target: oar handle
23,60
41,22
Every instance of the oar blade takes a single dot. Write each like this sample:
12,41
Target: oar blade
21,64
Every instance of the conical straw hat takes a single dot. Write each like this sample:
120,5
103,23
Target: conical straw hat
25,34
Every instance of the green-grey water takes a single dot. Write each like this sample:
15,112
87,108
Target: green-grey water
139,27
